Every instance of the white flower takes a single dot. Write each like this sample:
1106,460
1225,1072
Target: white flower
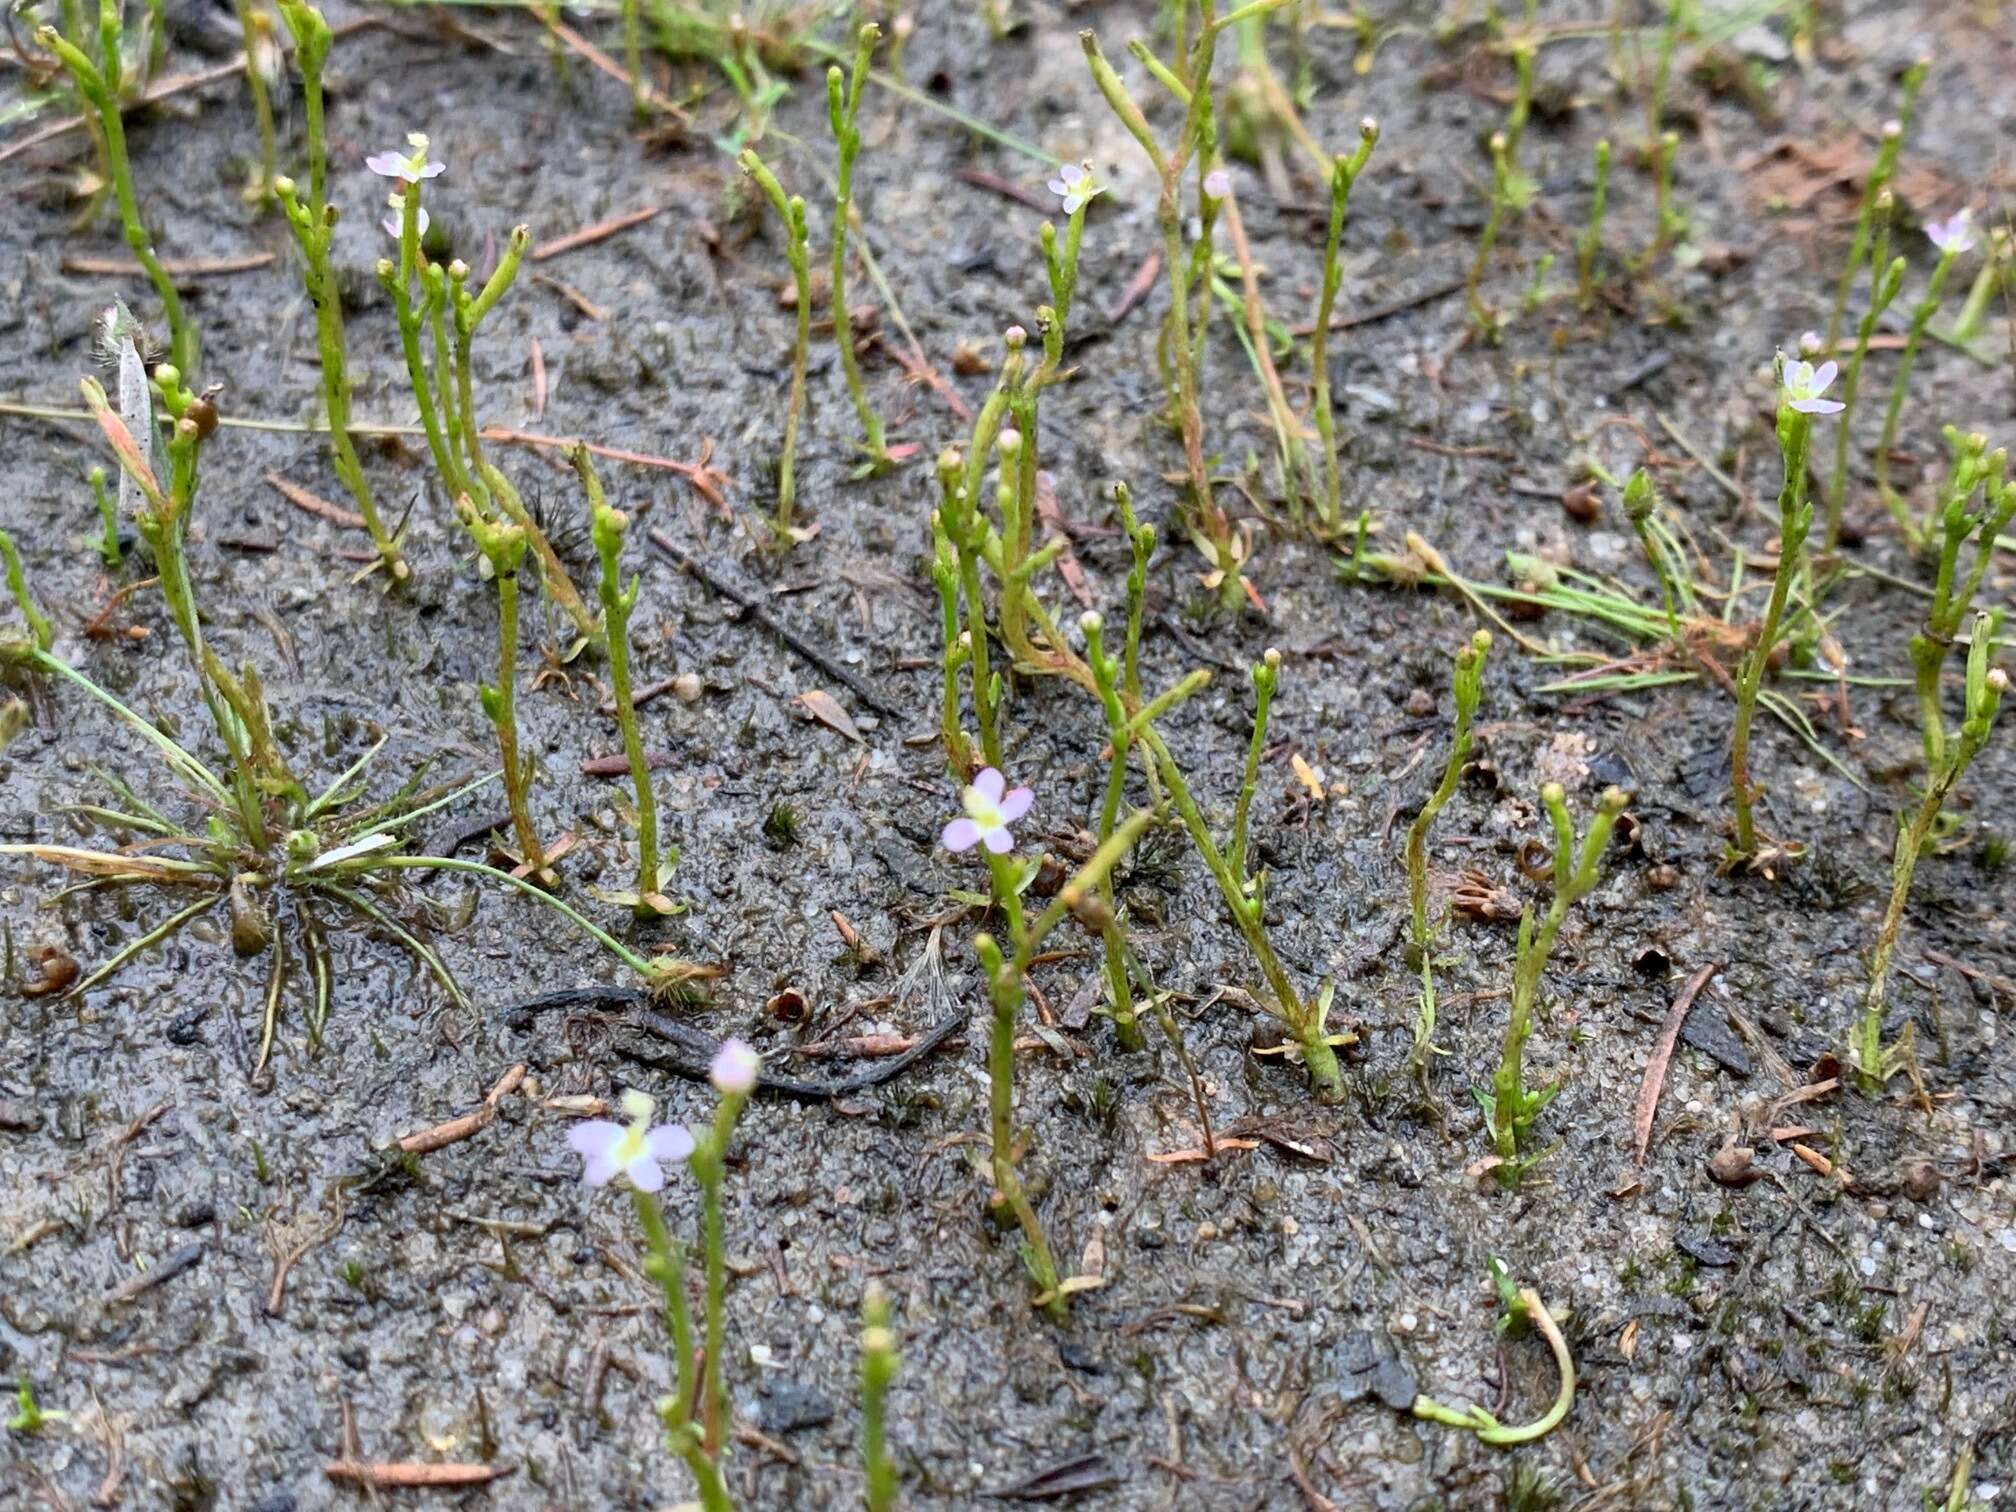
409,168
1804,384
734,1068
1075,186
394,222
1953,235
634,1149
989,812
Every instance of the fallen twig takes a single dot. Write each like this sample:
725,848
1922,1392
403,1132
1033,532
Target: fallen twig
600,231
455,1130
1662,1056
312,504
174,267
406,1473
754,610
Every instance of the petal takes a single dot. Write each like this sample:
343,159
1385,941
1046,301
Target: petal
1059,187
433,170
1824,375
594,1138
386,164
1073,203
1015,804
669,1142
989,785
1826,406
645,1175
391,225
960,835
1072,173
998,840
599,1171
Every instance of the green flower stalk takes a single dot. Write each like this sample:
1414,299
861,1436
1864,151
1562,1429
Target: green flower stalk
1886,280
436,301
1591,240
665,1263
1676,591
161,517
1006,993
1985,686
1107,671
734,1076
313,223
1509,1107
1469,688
791,211
1975,469
879,1366
958,650
843,104
965,529
1974,309
1307,1021
503,547
1881,172
1344,173
1189,276
1671,223
607,526
1062,270
100,85
1504,178
1266,674
1953,237
40,632
108,520
257,31
695,1417
1800,388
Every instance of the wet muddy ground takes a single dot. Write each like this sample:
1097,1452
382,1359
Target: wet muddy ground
221,1278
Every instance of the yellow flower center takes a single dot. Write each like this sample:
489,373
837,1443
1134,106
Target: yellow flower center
981,809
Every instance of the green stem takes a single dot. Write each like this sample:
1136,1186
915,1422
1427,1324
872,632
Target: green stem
101,89
1344,173
843,104
1921,316
792,212
1795,516
1880,175
1305,1021
607,526
1885,283
1468,682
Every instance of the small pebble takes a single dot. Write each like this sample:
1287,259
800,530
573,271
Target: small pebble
687,687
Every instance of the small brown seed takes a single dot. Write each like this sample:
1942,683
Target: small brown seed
1731,1166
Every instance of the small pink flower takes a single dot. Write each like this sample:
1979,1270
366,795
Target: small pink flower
408,167
989,812
1075,186
1217,183
1953,235
734,1068
1804,384
635,1149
